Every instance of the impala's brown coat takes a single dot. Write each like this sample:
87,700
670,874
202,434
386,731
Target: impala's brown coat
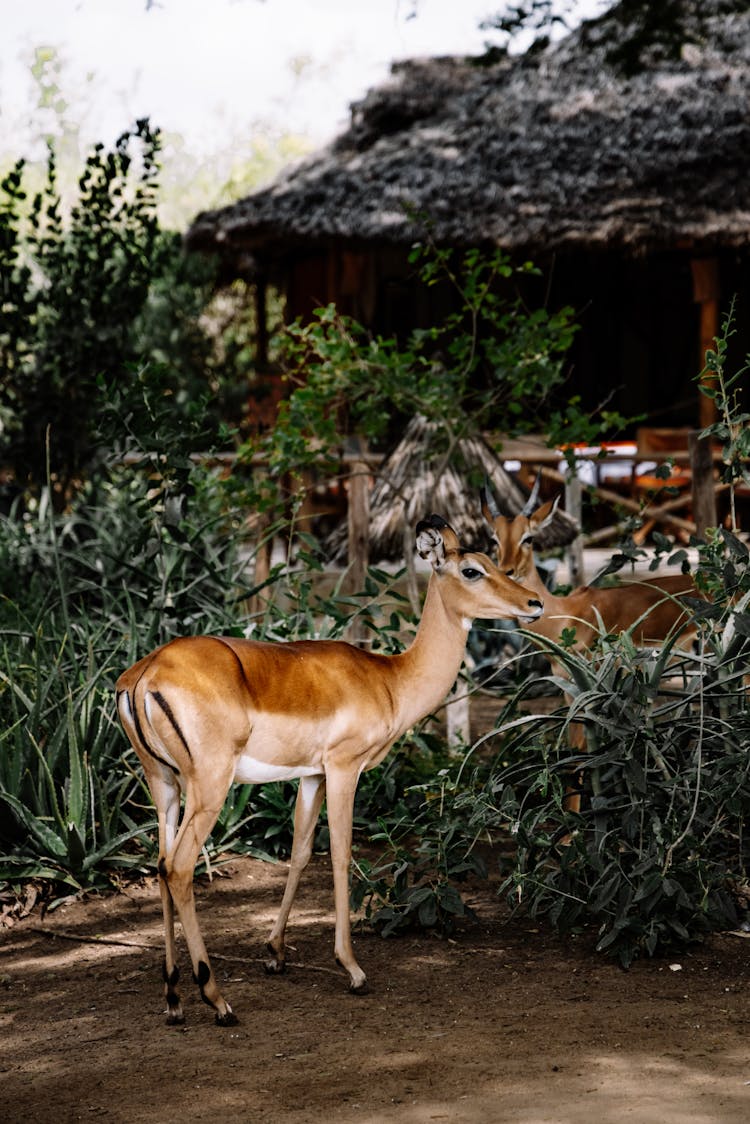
203,712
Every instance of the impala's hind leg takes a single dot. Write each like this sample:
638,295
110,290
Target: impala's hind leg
166,795
306,811
177,871
164,786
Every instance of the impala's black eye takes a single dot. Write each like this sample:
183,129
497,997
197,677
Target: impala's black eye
472,574
528,537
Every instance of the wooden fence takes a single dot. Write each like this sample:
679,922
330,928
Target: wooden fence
692,511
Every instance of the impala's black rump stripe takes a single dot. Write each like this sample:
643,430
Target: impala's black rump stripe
158,698
140,735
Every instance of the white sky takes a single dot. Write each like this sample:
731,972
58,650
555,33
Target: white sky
214,70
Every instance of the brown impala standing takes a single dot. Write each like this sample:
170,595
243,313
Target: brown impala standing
205,712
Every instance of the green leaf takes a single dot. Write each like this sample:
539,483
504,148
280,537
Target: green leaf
77,790
428,912
51,843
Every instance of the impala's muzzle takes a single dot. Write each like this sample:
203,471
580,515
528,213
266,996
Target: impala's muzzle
536,608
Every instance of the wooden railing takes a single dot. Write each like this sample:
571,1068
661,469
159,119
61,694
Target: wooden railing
692,511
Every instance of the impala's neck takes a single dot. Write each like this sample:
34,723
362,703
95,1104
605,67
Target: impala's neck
533,581
555,608
427,670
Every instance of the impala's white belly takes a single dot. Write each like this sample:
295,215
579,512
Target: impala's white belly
278,750
250,770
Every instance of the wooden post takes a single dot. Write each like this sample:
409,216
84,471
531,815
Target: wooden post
358,524
263,546
358,533
261,317
458,716
704,494
573,506
706,293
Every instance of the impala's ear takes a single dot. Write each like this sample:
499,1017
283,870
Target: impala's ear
430,545
544,515
435,538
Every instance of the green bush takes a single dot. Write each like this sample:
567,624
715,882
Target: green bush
659,842
82,596
426,855
71,290
658,853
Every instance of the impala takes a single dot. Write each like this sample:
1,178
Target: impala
649,607
204,712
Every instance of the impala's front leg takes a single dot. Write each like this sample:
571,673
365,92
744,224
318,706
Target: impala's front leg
341,787
306,811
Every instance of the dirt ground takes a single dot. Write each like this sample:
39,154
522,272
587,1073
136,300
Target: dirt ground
503,1023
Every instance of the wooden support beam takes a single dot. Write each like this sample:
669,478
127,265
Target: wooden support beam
261,327
263,546
574,508
358,536
706,293
702,468
358,524
662,514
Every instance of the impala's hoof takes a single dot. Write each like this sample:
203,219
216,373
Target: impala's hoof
227,1019
175,1018
362,988
274,967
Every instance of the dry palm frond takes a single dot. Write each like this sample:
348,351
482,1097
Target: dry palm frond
420,476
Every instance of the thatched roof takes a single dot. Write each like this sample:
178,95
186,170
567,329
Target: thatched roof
553,149
418,477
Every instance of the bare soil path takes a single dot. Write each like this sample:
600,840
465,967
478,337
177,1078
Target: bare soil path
504,1023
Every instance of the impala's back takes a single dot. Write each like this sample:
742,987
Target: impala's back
282,708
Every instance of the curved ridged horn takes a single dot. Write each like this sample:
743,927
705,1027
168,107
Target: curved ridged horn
491,508
531,503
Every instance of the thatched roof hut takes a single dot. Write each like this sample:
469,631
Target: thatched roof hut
553,149
632,189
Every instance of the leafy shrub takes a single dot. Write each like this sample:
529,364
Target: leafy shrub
659,842
71,290
83,595
658,852
413,882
